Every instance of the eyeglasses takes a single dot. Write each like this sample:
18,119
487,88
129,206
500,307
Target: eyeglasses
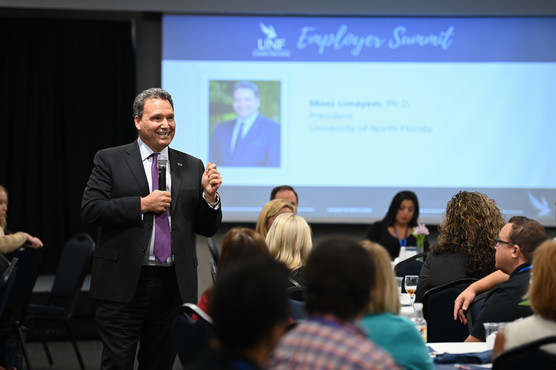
498,241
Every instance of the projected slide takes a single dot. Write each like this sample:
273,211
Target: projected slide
350,111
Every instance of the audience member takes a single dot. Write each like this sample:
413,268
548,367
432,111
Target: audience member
542,300
465,239
515,245
9,242
289,241
250,314
393,231
339,276
396,334
270,211
464,300
285,192
238,244
10,348
250,139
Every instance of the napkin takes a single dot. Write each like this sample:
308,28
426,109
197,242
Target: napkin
484,357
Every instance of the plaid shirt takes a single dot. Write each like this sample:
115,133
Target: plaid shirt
325,343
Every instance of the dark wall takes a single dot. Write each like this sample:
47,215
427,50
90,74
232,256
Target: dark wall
67,90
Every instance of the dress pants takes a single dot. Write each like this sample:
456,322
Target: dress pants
147,319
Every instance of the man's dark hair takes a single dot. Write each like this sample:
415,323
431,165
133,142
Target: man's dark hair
250,297
528,234
152,93
280,188
246,85
338,278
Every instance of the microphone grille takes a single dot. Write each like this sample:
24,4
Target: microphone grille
162,161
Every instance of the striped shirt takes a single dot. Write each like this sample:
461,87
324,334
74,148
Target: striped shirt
326,343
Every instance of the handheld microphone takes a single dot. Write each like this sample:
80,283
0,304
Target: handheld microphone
161,163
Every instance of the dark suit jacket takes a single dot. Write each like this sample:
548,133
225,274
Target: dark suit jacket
111,201
502,303
260,147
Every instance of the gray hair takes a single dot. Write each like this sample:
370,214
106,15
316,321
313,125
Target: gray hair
152,93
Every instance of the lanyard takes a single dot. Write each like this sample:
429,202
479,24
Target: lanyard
525,269
405,237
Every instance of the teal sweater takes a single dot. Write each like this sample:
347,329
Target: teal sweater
399,337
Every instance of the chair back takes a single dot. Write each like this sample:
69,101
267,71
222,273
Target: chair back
7,280
215,254
28,267
527,356
191,336
213,249
73,266
438,308
411,265
4,262
297,309
296,292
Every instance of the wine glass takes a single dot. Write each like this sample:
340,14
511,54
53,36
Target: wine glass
410,284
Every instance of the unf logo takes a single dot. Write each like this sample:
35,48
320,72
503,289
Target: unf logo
271,41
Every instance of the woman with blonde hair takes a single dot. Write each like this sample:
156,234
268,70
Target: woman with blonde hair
270,211
542,298
465,242
395,334
289,241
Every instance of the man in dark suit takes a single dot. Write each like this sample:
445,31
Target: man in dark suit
249,140
137,290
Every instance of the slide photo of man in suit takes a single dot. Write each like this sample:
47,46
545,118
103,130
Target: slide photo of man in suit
245,137
145,262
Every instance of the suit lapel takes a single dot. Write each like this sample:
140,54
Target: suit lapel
133,159
177,168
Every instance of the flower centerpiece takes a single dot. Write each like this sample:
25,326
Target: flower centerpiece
420,232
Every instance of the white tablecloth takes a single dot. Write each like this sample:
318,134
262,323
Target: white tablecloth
458,347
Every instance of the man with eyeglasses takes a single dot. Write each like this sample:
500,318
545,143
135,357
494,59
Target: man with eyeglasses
515,245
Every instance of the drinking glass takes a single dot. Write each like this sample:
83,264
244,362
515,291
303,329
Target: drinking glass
399,281
410,284
491,330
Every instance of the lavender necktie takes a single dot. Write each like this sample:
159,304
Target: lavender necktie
162,240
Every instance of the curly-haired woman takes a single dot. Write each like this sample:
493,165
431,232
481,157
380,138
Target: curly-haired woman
465,242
